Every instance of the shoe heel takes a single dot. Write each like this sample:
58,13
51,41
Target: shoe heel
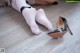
69,30
66,26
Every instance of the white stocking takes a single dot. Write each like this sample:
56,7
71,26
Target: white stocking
28,13
13,4
42,19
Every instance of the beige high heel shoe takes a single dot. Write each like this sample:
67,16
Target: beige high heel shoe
62,28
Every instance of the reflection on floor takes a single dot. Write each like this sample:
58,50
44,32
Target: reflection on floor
16,36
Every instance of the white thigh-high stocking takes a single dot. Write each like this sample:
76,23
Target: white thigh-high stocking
28,13
13,4
42,19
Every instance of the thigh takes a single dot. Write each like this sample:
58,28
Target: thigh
21,3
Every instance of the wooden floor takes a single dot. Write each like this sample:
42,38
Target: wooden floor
16,36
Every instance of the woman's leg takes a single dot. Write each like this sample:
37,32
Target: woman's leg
42,19
28,13
13,4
